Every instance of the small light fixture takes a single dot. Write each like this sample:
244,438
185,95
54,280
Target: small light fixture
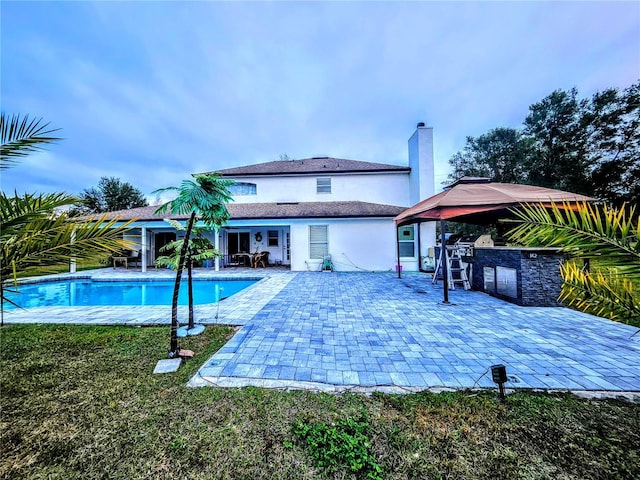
499,376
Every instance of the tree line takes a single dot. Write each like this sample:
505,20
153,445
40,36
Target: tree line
589,146
110,195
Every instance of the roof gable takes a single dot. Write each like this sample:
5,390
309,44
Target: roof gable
243,211
311,166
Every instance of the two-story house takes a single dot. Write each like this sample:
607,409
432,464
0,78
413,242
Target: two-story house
301,211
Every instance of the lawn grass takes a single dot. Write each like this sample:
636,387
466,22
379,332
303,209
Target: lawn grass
81,402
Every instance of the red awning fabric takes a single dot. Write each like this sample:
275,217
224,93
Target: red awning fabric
475,200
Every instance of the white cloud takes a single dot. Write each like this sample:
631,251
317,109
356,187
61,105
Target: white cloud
152,92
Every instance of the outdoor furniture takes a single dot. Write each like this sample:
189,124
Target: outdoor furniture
261,258
125,259
137,258
245,258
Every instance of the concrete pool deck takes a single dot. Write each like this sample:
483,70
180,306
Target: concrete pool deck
375,332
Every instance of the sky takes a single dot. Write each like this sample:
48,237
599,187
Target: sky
151,92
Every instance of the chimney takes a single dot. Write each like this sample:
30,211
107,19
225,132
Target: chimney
422,184
421,180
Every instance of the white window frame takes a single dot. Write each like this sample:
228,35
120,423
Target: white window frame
318,241
323,185
411,241
244,188
276,237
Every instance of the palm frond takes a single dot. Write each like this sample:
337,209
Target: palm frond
22,136
607,238
44,241
17,210
602,293
208,254
206,195
586,231
175,224
168,261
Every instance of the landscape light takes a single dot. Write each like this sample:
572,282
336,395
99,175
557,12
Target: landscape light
499,376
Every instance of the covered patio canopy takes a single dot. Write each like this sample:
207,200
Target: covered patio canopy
479,201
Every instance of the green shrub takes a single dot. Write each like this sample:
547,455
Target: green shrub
344,445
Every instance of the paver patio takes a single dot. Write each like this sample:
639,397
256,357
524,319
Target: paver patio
373,331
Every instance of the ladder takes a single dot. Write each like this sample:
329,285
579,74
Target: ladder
456,269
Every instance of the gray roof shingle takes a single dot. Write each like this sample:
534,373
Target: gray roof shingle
243,211
310,166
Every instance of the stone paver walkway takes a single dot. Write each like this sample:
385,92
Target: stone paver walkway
360,331
365,332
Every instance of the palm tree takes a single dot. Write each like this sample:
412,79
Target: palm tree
35,234
603,275
200,248
206,197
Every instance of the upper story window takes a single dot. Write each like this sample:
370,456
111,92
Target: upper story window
323,185
243,188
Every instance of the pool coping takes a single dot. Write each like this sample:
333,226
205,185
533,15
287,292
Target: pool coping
238,309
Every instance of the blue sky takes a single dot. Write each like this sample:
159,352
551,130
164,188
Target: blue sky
151,92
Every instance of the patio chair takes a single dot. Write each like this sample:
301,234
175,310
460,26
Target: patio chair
262,259
135,258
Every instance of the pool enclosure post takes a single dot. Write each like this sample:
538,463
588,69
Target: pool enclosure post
143,245
216,239
444,263
398,267
72,261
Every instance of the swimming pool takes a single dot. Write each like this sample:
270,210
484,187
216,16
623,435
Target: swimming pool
87,292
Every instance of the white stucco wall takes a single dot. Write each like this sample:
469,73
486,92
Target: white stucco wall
387,188
354,244
427,241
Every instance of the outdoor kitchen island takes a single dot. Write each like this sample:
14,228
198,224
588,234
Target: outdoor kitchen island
521,275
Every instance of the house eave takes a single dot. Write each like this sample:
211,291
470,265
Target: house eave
402,170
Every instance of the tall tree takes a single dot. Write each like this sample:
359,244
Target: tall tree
502,154
205,197
560,158
589,146
110,195
613,121
35,234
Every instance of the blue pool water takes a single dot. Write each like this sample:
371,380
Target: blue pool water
72,293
